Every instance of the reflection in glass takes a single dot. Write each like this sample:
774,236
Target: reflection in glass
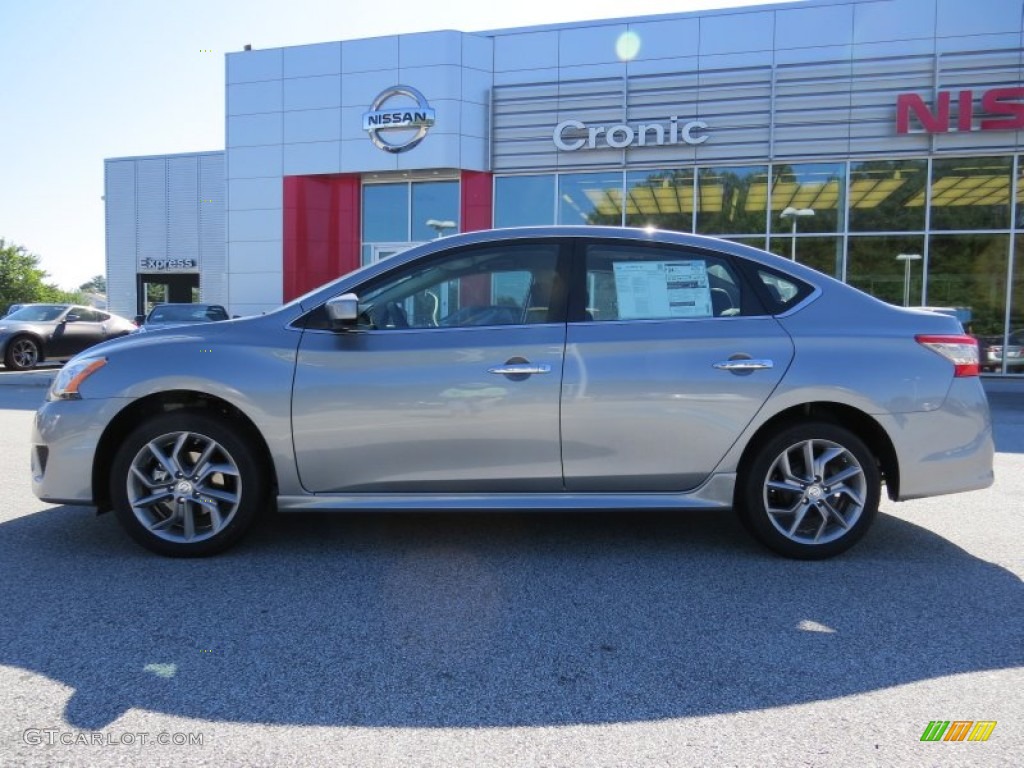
754,242
436,201
524,201
660,199
970,193
824,254
590,198
386,213
1019,223
881,192
732,201
872,266
1014,341
969,271
818,187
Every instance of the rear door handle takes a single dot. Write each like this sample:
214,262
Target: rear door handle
742,366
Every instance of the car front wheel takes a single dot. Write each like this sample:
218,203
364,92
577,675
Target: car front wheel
810,491
185,484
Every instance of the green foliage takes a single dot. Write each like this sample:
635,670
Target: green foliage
22,281
95,284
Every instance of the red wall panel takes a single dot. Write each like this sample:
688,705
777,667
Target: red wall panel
321,230
477,200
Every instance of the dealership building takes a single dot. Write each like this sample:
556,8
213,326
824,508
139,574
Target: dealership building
879,141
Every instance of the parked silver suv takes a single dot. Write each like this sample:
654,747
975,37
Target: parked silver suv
540,368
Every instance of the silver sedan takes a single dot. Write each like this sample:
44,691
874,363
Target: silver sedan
541,368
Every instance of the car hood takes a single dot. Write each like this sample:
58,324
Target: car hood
13,326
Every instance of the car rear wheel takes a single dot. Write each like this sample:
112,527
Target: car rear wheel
22,354
185,484
811,491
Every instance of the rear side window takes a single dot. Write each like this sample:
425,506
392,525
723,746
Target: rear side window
781,292
626,282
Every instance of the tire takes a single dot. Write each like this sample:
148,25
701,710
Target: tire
187,484
815,512
22,354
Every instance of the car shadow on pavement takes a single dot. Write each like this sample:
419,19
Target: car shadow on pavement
456,620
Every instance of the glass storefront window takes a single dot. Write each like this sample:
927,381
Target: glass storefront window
970,193
436,201
590,198
754,242
386,213
887,195
1019,223
824,254
872,265
817,187
969,271
1014,341
732,201
660,199
523,201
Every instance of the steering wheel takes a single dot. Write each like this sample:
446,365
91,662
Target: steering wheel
389,315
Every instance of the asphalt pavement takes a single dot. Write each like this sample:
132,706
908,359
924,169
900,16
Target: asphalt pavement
512,640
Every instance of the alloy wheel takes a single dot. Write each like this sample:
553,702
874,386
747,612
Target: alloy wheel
184,487
815,491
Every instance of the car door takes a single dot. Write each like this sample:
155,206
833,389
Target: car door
78,329
666,364
448,382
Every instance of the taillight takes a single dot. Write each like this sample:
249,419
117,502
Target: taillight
961,351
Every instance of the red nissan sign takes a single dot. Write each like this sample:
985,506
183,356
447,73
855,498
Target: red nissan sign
1008,103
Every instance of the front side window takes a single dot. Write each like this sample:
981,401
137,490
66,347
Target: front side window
86,315
498,285
636,283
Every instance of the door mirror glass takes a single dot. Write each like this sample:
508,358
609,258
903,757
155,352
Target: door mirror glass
71,317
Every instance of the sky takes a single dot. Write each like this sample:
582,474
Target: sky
85,80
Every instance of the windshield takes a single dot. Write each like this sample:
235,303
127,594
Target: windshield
186,313
39,313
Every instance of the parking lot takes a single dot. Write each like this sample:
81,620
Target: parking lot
506,639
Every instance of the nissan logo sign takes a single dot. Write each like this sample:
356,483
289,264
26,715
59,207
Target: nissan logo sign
409,121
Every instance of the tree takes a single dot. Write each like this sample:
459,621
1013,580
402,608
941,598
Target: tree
22,281
96,284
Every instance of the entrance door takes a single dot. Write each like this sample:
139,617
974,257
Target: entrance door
153,289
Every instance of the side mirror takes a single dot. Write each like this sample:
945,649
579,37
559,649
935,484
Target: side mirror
71,318
139,320
343,310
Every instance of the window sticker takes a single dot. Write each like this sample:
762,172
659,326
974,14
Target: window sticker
653,289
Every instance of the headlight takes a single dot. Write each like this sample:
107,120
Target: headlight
71,376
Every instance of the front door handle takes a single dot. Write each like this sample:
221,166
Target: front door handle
743,365
520,369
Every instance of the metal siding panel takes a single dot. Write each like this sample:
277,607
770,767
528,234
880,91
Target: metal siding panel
119,203
183,208
151,189
212,234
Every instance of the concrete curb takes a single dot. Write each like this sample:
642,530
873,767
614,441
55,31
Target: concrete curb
27,378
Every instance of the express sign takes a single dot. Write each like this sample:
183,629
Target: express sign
1007,103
